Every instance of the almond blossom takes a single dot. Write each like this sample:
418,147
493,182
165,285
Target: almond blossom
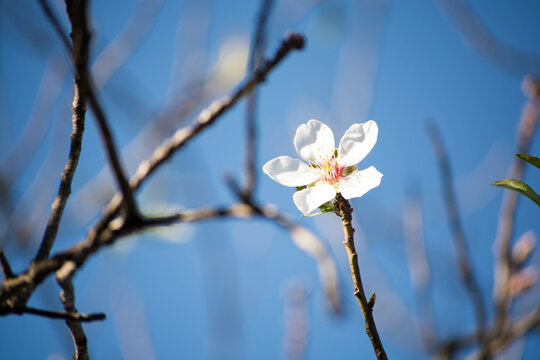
327,170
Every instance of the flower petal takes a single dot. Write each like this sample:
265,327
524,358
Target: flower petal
359,182
290,172
357,142
311,198
314,140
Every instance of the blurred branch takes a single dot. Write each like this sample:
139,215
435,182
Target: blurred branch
344,211
505,267
296,321
458,235
419,269
120,49
36,127
255,59
507,57
516,330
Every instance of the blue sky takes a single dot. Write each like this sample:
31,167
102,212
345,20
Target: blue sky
218,290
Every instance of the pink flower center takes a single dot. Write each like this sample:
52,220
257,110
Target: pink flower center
330,169
331,172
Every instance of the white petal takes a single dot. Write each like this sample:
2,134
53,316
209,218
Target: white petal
314,140
311,198
290,172
357,142
359,182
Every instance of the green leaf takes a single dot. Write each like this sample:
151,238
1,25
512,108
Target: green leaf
298,188
325,208
533,160
519,187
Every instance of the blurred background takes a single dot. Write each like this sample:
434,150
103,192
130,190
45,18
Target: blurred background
241,289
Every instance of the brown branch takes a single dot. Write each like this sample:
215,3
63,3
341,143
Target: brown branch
504,267
255,58
6,268
73,316
458,234
78,16
63,277
344,211
81,40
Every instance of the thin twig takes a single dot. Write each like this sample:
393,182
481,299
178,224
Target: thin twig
74,316
63,277
81,43
255,58
458,234
344,211
6,268
208,116
77,12
504,265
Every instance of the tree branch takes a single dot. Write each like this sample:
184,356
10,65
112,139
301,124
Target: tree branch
81,40
77,12
73,316
208,116
458,234
344,211
255,59
6,268
15,292
63,277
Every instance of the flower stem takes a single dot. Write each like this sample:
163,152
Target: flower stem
344,210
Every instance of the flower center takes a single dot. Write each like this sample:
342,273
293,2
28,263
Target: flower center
331,170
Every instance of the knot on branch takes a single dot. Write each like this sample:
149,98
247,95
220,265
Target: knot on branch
343,209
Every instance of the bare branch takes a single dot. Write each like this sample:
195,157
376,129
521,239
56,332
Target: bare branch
504,265
6,268
208,116
15,292
63,277
344,211
73,316
77,12
80,99
458,235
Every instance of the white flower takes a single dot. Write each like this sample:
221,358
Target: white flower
328,170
